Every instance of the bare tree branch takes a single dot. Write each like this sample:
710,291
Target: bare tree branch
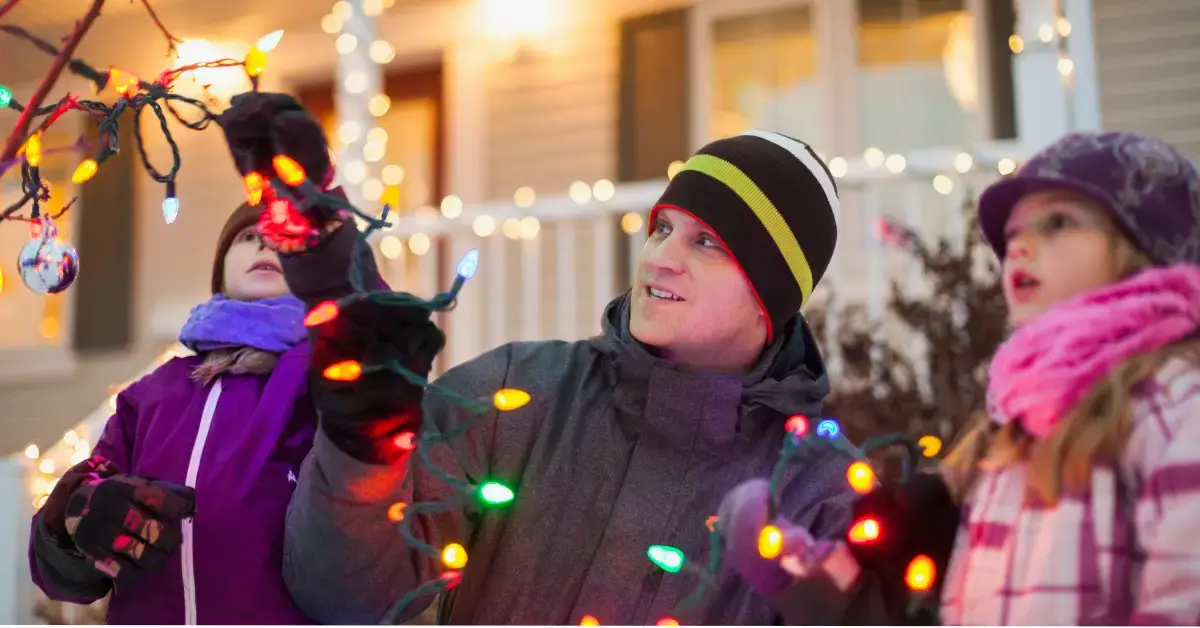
20,132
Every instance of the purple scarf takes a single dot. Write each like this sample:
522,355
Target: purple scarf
273,325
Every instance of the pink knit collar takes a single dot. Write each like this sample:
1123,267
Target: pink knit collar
1052,361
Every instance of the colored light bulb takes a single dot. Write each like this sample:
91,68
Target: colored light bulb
588,620
864,530
405,441
452,578
33,149
507,399
454,556
288,169
669,559
495,493
85,171
770,542
861,477
125,84
396,512
321,314
797,424
828,428
254,183
930,446
667,621
255,62
5,97
267,42
344,371
921,573
469,264
170,209
711,523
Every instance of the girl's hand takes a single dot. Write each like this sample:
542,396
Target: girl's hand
128,525
742,517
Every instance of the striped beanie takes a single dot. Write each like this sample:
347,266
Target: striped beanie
773,201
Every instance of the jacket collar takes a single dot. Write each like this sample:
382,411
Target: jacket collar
789,378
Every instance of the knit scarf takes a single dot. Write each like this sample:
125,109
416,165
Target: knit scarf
1040,373
242,336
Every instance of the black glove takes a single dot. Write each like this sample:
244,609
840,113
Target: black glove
125,525
257,124
918,517
363,417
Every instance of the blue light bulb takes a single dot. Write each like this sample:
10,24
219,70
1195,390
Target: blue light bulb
828,428
469,264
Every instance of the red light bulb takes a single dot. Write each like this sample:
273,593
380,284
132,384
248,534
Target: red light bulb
321,314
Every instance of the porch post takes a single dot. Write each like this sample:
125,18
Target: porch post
357,80
1043,100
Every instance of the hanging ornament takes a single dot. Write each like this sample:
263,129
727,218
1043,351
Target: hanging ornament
47,264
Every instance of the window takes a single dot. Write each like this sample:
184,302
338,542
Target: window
764,74
918,80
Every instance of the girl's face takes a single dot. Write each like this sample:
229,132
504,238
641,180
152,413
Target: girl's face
252,271
1059,245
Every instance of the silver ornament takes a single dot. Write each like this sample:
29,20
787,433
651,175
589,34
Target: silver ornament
48,265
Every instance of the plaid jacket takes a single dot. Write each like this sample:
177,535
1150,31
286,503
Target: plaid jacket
1128,552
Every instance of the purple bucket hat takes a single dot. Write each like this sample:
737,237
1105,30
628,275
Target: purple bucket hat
1149,188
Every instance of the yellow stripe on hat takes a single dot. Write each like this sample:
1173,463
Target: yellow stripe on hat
765,210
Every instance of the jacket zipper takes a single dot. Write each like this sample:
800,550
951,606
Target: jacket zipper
188,553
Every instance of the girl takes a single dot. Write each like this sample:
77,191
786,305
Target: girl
1080,489
228,428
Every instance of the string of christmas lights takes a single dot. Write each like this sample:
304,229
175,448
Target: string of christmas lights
47,264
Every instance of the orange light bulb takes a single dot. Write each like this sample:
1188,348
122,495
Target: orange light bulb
865,531
510,399
85,172
588,620
921,573
344,371
711,523
288,169
454,556
255,184
667,621
396,511
33,149
125,84
770,542
321,314
861,477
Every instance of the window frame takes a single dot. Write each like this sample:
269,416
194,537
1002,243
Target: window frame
835,26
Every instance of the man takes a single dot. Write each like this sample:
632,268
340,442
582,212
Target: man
630,439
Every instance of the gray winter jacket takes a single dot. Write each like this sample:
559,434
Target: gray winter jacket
617,451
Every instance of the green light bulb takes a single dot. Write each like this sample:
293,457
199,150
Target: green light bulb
5,97
669,559
495,493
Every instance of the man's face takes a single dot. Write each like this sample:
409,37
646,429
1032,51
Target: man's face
691,300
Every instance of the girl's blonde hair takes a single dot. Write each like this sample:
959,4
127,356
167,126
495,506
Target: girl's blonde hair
1092,434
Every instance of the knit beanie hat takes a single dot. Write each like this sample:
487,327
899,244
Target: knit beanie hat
242,217
773,202
1149,189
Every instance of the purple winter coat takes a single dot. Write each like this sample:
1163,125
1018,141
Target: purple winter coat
244,455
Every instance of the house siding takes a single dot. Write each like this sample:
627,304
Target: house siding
1148,65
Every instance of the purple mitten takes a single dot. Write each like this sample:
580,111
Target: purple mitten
742,517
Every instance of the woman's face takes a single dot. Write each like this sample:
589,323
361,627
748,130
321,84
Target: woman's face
252,271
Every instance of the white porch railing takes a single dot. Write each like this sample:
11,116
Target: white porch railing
548,269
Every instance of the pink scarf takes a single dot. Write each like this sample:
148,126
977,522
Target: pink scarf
1041,372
